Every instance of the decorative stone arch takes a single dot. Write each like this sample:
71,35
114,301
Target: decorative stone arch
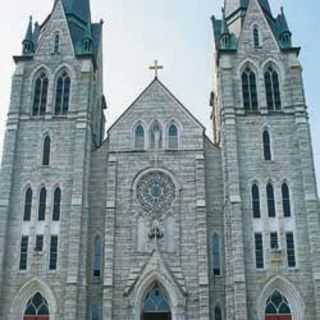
177,300
252,64
133,129
288,290
26,292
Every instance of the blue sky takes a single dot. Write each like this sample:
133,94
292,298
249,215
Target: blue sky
179,34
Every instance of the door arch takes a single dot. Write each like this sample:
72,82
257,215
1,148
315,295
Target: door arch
156,304
277,307
37,308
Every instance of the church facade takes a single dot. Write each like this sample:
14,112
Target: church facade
157,221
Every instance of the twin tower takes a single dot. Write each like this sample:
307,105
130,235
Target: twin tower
154,220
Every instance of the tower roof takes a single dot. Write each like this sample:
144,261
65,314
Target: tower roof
233,6
78,8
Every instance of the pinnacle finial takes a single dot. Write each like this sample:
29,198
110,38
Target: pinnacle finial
28,43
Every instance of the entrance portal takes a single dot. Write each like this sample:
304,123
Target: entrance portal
278,308
156,305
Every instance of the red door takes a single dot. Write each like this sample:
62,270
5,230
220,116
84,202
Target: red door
279,317
36,318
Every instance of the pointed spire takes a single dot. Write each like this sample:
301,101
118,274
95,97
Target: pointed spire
225,38
28,42
284,31
78,8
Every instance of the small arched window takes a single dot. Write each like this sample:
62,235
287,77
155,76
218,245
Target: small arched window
40,94
266,146
271,201
272,87
56,45
216,258
27,205
256,37
37,308
156,136
249,90
56,204
42,204
46,151
173,137
97,257
255,201
139,137
217,313
62,93
286,200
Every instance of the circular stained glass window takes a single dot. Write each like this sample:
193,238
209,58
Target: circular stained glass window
156,192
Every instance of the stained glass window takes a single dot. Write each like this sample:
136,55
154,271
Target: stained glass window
40,95
46,151
56,204
63,85
267,146
156,302
27,205
139,138
42,205
286,200
271,201
277,304
173,137
24,253
259,251
291,254
255,201
272,87
37,306
53,253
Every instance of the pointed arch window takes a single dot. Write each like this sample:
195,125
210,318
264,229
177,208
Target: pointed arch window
156,302
37,308
27,205
173,137
217,313
249,90
40,94
271,201
97,257
56,204
139,137
63,85
277,307
256,37
216,257
272,86
46,151
286,200
42,204
267,146
156,136
255,194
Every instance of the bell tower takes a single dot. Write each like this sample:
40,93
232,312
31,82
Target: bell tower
260,120
56,118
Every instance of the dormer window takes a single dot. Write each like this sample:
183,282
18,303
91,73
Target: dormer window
256,37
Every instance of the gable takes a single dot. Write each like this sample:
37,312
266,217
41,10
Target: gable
155,103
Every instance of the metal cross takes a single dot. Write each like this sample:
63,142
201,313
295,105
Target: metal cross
156,68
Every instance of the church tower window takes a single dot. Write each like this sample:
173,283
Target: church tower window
56,47
56,204
286,200
42,204
37,308
256,37
97,257
139,138
63,85
24,253
40,95
46,151
216,255
249,90
291,255
267,146
156,136
217,313
271,201
259,251
173,137
53,253
255,201
272,87
27,205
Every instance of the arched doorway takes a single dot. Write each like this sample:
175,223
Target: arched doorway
156,305
37,308
277,307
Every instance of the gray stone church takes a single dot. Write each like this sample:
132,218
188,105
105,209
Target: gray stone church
157,221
